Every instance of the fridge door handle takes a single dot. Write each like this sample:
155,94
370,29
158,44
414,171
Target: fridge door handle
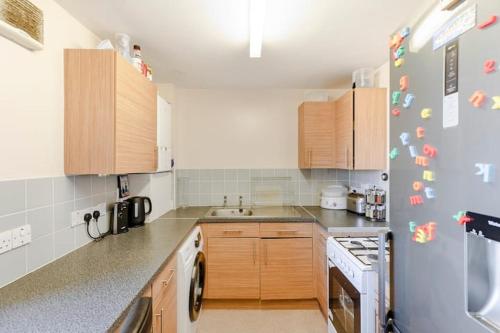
381,268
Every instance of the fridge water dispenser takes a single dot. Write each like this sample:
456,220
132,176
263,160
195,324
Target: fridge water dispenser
482,246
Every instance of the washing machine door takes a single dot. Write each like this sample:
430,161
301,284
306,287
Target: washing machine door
196,287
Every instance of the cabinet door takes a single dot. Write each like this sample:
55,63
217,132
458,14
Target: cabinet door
233,268
316,135
286,269
164,293
370,128
135,120
320,268
344,132
89,104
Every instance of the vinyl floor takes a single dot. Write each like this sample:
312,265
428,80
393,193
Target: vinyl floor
261,321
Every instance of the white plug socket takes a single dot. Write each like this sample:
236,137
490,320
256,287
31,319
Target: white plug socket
77,215
21,236
5,241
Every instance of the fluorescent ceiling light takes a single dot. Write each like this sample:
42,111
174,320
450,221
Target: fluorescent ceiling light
257,16
430,25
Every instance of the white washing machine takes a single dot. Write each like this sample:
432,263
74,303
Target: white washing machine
191,266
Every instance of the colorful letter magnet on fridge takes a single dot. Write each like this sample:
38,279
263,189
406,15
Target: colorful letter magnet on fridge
426,113
405,32
496,103
422,161
404,82
394,153
420,132
487,171
400,52
409,98
428,176
396,112
477,99
399,62
418,186
396,96
416,200
429,150
430,193
490,66
405,138
488,22
413,151
396,41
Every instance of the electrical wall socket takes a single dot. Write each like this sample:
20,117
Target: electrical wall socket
5,241
77,215
21,236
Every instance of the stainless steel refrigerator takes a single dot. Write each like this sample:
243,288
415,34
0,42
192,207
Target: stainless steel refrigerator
445,147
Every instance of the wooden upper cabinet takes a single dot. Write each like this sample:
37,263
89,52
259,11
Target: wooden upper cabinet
370,129
109,115
361,129
316,135
344,125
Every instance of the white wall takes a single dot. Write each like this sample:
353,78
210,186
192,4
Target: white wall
32,97
231,129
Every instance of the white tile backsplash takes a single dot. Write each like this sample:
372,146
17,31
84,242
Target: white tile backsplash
46,204
205,187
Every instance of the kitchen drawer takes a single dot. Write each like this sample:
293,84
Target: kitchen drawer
166,277
285,230
232,230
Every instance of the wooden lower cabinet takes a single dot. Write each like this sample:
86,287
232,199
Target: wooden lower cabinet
259,261
286,268
233,270
164,292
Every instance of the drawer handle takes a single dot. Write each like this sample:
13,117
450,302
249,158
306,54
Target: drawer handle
287,231
232,231
167,281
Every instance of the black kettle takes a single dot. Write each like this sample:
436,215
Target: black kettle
137,211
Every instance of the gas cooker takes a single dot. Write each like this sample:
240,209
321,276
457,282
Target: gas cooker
363,249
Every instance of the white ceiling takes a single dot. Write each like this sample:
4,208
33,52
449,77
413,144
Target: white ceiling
204,43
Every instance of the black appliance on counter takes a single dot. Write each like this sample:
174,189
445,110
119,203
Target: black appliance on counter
119,220
137,211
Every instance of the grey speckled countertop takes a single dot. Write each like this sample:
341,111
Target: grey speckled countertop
331,220
344,221
90,288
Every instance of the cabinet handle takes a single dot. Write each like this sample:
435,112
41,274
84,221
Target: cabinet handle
309,154
346,157
232,231
287,231
265,253
254,252
167,281
161,321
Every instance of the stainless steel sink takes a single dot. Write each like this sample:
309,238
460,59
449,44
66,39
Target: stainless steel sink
252,213
229,212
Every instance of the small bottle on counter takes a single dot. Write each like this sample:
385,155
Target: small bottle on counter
149,73
137,59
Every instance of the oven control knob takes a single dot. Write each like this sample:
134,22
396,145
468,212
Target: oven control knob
351,273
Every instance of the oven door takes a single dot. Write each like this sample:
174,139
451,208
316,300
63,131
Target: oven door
343,303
